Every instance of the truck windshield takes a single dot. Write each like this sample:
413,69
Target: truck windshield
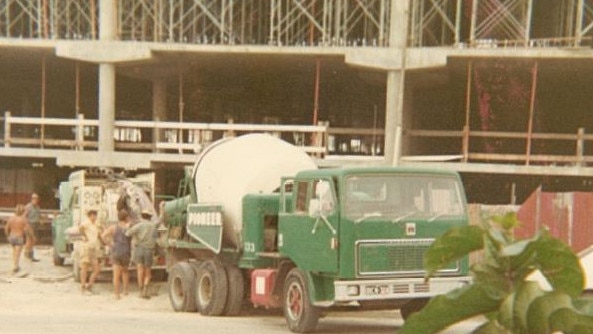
404,196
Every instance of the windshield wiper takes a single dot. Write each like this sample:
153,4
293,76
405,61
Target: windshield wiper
368,215
440,214
406,215
437,215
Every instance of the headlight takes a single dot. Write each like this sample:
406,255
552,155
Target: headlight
353,290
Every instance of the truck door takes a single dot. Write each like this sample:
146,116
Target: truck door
309,228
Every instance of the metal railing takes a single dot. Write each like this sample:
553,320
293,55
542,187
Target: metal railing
178,137
510,147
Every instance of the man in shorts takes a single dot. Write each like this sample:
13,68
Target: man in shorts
144,240
33,215
90,231
16,229
120,244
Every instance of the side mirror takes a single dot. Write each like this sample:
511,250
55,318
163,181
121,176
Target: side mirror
314,208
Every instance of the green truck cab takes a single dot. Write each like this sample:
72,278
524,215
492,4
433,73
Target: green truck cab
344,237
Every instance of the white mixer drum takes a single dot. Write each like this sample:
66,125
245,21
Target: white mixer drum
250,164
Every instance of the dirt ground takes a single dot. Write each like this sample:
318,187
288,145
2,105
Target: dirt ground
54,284
44,298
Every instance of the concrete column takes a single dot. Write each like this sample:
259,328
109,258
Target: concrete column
106,107
398,36
107,32
392,119
159,105
108,20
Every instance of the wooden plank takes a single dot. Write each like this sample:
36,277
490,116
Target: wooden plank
355,131
135,146
435,133
433,158
522,157
53,121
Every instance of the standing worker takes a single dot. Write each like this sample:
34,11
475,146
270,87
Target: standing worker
16,229
33,215
90,231
120,251
144,237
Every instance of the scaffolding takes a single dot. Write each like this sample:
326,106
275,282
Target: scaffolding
435,22
500,23
256,22
49,19
338,23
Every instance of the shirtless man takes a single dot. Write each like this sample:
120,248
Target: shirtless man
16,228
120,251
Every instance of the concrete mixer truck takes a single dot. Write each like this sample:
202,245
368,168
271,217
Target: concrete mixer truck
257,224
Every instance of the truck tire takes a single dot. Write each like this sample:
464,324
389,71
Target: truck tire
211,288
181,285
236,290
412,307
58,260
301,316
76,270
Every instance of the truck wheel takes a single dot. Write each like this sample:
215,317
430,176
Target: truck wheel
236,290
211,288
301,316
58,260
412,307
76,270
181,285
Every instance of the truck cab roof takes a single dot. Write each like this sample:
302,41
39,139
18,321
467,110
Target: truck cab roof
341,172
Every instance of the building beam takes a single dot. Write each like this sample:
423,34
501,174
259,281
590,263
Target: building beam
107,32
395,84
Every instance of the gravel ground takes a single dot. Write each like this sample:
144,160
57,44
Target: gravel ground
44,298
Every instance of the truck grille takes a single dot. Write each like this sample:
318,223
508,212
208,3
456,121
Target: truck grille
392,257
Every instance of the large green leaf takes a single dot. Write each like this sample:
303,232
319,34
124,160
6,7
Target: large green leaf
456,243
584,305
523,297
559,265
505,313
508,222
540,310
492,277
521,258
516,248
491,327
492,250
569,321
445,310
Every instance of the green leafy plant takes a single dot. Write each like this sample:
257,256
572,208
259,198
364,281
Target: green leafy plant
500,290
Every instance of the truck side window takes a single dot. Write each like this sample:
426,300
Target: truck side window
323,193
301,197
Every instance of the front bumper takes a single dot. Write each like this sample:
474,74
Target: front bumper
360,290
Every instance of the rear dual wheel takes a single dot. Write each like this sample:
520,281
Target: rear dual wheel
58,260
211,288
182,287
76,268
220,289
236,293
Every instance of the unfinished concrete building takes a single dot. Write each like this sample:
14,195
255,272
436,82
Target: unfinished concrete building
500,90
